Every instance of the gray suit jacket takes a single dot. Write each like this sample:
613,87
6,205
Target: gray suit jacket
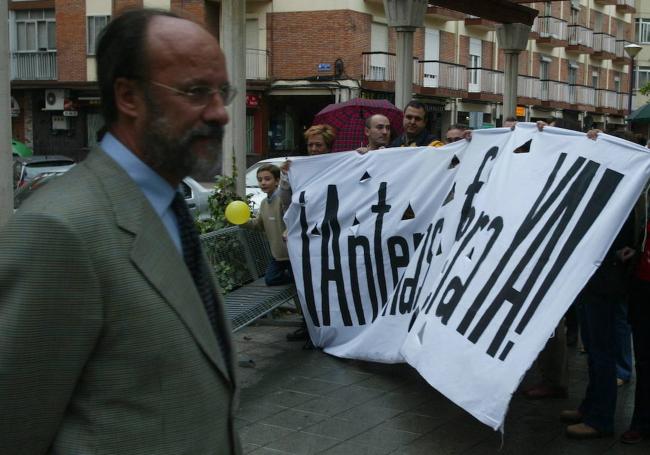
105,347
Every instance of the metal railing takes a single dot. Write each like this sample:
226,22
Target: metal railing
378,66
620,48
550,27
581,36
485,80
528,87
554,90
622,101
604,42
584,95
32,66
625,3
257,64
438,74
606,98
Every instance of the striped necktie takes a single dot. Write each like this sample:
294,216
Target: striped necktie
192,254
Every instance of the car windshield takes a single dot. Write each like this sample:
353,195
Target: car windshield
251,173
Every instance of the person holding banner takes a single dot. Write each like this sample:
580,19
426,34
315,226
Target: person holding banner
415,133
377,131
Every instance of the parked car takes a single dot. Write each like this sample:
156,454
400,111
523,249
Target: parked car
28,167
253,188
196,194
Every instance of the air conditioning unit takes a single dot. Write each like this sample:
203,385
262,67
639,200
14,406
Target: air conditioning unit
54,99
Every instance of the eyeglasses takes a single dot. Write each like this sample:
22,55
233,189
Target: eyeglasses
201,95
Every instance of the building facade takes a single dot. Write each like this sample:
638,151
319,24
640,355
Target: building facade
303,55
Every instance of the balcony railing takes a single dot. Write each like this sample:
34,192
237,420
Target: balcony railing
554,91
625,6
620,48
622,101
379,66
604,42
528,87
438,74
257,64
550,27
581,36
606,99
584,95
33,66
485,80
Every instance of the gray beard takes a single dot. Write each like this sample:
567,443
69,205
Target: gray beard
173,156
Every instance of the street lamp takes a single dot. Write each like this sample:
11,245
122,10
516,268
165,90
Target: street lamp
632,50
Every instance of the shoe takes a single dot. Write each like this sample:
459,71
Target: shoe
542,391
584,431
299,335
631,437
571,416
620,382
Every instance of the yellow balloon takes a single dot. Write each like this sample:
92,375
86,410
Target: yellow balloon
238,212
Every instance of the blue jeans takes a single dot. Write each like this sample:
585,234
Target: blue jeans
623,343
597,316
278,272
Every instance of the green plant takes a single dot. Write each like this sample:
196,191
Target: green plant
225,192
645,90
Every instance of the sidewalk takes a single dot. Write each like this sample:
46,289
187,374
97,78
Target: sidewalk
296,401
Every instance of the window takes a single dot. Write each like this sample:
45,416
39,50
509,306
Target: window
250,134
95,25
642,76
35,30
642,30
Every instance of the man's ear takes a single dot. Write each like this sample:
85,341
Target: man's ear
127,97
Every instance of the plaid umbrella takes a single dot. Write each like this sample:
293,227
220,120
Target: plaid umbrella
349,120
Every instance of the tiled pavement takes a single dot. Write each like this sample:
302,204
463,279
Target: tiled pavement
297,401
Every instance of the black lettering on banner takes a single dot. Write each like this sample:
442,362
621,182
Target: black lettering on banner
380,209
364,244
306,263
455,289
331,227
468,211
397,259
552,232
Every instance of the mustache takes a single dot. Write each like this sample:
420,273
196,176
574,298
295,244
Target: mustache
207,131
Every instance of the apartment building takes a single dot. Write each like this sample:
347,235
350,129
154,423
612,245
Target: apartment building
303,55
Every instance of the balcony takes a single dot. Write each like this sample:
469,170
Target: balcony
605,2
581,39
604,46
484,84
621,56
478,23
583,98
257,64
625,6
445,14
33,66
554,94
551,31
528,89
438,78
607,101
622,103
380,68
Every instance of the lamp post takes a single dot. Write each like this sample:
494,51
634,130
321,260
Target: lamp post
632,50
405,16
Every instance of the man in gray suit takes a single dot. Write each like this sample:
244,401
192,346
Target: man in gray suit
109,343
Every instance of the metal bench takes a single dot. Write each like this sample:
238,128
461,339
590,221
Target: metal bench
240,257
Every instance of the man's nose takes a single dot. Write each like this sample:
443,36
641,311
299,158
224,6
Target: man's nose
215,111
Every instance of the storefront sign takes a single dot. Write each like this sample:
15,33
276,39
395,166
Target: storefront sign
252,100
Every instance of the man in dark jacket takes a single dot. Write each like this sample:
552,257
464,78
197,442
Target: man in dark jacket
415,133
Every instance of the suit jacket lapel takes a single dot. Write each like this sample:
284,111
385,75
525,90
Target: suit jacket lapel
156,256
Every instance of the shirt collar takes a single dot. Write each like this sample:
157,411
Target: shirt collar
157,190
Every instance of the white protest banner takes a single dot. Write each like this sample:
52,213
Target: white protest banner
459,260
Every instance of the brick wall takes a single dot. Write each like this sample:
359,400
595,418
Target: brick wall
71,39
122,5
299,41
487,50
463,44
447,47
190,9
